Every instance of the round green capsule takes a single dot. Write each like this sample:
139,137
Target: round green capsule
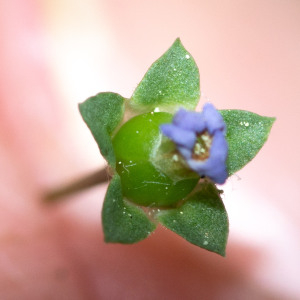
135,145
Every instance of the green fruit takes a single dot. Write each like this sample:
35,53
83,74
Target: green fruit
135,145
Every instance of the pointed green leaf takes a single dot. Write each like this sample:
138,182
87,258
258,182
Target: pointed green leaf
172,81
201,220
123,222
246,133
102,114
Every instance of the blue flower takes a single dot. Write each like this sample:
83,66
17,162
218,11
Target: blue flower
200,139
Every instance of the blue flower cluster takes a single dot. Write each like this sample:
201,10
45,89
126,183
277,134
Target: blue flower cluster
200,139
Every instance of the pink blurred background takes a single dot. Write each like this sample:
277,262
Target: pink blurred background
55,54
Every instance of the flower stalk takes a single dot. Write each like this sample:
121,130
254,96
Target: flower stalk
60,193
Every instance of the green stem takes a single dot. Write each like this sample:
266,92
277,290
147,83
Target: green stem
59,193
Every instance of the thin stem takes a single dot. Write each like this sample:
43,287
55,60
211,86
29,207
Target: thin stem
89,181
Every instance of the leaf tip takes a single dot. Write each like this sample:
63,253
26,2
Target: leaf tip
272,120
221,252
177,41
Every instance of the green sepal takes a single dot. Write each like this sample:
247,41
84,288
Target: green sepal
202,219
172,81
123,222
246,133
102,114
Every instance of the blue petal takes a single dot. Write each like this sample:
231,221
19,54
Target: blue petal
215,166
211,168
219,147
185,152
217,172
189,120
178,135
213,119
